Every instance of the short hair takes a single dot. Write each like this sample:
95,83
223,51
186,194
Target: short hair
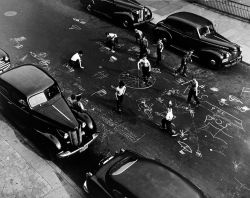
121,83
80,52
73,96
78,97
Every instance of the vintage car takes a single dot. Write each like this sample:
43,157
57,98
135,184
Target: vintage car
188,31
128,13
4,61
33,98
130,175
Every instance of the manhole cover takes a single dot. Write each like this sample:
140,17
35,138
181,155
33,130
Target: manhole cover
10,13
133,79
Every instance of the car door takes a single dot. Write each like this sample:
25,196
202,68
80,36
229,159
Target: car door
18,107
191,37
176,31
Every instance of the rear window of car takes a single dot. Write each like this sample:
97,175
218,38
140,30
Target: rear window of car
45,96
37,99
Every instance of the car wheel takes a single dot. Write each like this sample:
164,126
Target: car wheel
126,23
213,62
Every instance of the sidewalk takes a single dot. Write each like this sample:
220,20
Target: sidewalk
233,29
24,174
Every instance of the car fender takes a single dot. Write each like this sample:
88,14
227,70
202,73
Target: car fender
123,14
208,51
51,138
163,31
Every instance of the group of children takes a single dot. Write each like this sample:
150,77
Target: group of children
145,67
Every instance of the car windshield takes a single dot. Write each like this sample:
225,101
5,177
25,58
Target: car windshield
43,97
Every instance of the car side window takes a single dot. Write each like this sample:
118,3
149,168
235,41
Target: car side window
18,99
190,31
171,24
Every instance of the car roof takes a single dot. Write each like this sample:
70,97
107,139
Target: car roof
190,18
28,79
146,177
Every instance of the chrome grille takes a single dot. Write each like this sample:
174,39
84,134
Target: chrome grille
4,65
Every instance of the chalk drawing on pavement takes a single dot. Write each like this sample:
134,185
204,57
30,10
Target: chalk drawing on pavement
70,69
23,58
134,49
245,92
216,127
156,70
185,148
229,118
100,75
101,92
242,109
236,165
10,13
223,102
214,89
216,151
145,107
17,41
234,99
241,185
74,27
41,57
79,20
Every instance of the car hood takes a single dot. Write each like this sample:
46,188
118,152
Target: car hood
218,39
58,110
129,3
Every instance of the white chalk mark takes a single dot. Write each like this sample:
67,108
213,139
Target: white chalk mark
223,102
245,90
147,108
79,20
101,92
223,115
220,152
214,89
10,13
242,109
74,27
236,165
100,75
216,133
156,70
243,186
234,98
184,147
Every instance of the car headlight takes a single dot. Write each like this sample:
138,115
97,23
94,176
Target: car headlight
66,135
84,125
6,58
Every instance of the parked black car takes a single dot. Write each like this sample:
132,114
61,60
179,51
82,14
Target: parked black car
4,61
33,98
127,13
188,31
130,175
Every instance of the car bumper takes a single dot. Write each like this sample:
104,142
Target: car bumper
233,62
64,154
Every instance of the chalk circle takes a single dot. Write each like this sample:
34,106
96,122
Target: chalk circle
131,79
10,13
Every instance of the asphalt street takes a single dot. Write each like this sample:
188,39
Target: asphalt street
213,143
